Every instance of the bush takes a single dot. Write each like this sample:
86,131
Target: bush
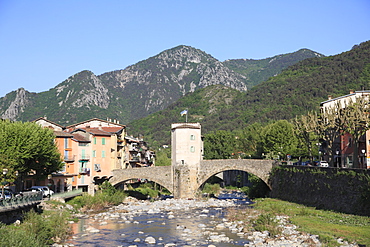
267,222
36,230
107,196
211,189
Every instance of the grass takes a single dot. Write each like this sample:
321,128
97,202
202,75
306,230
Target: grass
328,225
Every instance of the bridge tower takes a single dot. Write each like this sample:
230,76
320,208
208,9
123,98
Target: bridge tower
187,153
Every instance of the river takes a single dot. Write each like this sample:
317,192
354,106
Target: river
165,223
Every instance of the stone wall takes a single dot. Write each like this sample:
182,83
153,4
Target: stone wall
342,190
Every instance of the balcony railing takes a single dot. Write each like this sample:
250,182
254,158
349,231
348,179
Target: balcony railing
84,170
84,157
69,158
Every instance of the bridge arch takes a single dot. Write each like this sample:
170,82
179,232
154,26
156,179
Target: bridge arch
260,168
161,175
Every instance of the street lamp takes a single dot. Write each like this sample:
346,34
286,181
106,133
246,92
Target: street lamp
363,158
337,152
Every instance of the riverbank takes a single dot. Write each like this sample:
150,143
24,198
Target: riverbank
331,228
246,223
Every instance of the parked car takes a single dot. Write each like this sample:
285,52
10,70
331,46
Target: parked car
7,194
44,189
323,164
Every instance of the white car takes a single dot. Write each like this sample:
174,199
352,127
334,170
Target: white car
324,164
44,189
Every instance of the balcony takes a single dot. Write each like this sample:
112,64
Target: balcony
69,158
84,157
84,171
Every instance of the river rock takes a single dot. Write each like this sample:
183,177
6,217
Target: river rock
150,240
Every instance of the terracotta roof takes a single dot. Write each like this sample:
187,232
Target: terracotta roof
97,131
94,119
80,138
62,134
45,119
112,129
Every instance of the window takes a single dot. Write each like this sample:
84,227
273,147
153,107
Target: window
94,153
192,149
65,142
94,140
97,167
83,144
103,141
103,154
192,137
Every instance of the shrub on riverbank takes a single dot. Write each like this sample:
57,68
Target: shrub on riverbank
36,230
106,197
327,224
211,189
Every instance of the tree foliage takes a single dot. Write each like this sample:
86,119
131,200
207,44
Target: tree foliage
220,144
27,147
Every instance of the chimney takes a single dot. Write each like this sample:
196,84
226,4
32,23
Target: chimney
329,97
351,91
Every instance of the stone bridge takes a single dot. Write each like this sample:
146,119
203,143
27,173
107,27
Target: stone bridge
178,179
188,170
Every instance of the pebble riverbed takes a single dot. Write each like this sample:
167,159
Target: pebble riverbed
220,233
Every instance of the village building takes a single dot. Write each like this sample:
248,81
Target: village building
344,146
90,150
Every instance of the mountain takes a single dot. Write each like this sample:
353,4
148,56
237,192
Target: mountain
137,91
141,89
156,127
294,92
257,71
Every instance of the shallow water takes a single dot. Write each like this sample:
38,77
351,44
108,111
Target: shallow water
186,227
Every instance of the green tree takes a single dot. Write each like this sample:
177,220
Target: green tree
250,140
304,130
279,139
163,157
220,144
29,148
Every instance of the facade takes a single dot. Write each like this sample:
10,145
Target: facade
187,154
344,145
90,151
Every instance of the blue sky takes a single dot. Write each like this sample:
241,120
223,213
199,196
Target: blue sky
43,42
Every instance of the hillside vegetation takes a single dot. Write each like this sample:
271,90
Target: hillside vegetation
259,70
297,90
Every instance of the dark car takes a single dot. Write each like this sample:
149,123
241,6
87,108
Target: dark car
7,194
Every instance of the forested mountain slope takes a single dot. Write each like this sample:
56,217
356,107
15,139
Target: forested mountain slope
259,70
295,91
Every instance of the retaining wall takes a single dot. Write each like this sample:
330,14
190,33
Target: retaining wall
341,190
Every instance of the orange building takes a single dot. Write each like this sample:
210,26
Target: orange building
91,150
